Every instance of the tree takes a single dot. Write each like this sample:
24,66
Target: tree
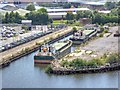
110,5
84,14
70,16
1,18
67,5
74,29
42,10
51,20
79,15
6,20
38,17
11,17
18,18
30,7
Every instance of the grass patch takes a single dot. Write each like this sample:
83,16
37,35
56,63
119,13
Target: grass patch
77,23
55,22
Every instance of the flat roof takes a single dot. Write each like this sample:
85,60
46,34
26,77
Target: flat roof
59,13
89,2
59,45
26,21
67,10
108,11
3,5
88,31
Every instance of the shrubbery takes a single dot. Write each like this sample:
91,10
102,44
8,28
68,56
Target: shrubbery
48,69
80,63
113,58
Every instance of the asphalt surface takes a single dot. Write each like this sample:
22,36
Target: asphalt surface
21,36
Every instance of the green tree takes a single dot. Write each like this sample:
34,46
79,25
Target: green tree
42,10
84,14
11,17
18,18
67,5
70,16
110,5
30,7
38,17
51,20
6,20
74,29
79,15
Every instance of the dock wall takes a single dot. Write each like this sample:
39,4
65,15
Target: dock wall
86,70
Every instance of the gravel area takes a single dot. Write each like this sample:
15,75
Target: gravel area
104,44
98,47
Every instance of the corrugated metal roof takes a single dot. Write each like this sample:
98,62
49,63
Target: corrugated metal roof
90,2
30,0
104,11
60,13
66,10
26,21
3,5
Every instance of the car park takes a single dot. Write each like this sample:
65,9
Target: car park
8,33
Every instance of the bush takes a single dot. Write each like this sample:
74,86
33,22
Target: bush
48,69
70,22
106,31
27,49
25,27
101,29
74,29
80,63
64,63
113,58
30,7
77,63
101,35
38,43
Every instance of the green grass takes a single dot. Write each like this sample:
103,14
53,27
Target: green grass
59,22
77,23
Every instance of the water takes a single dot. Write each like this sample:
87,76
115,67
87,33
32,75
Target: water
23,73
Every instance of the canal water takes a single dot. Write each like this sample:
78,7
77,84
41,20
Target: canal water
23,73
